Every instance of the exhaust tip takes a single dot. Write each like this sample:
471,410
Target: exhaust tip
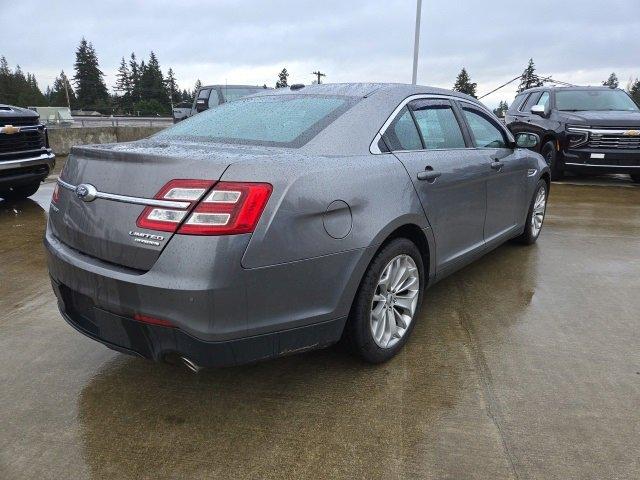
190,364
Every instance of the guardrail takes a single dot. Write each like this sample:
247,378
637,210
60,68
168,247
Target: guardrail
89,121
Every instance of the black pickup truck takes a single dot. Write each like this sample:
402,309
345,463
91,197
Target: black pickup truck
582,129
25,156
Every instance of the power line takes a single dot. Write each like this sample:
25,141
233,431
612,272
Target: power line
548,79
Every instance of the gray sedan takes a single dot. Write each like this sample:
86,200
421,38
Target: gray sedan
287,221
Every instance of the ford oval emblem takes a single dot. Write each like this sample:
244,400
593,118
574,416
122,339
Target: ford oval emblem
86,192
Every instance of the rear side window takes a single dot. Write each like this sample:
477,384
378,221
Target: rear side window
402,134
439,127
272,120
531,101
517,102
204,93
485,133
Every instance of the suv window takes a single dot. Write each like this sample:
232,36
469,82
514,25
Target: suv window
544,100
438,126
204,93
214,99
402,134
518,101
233,93
531,101
485,132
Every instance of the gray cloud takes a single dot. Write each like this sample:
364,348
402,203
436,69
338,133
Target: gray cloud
249,42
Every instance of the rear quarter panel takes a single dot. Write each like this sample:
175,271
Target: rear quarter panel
372,193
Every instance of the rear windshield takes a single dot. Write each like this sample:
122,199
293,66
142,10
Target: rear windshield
274,120
603,100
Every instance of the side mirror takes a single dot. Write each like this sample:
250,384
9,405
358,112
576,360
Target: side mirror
527,140
539,110
202,104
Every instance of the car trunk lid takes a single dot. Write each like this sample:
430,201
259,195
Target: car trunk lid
106,228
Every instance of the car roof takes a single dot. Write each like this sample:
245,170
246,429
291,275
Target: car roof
232,86
362,90
557,88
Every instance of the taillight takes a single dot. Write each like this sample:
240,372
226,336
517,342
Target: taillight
167,219
56,194
229,208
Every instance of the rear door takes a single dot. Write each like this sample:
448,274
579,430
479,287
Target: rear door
450,178
507,172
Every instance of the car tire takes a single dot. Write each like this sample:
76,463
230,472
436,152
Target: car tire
359,330
551,156
532,228
635,178
21,192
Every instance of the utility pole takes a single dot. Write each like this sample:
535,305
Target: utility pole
416,43
319,74
66,89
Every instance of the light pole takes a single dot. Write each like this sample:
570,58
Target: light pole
416,43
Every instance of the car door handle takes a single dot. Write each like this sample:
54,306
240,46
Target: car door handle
497,165
428,175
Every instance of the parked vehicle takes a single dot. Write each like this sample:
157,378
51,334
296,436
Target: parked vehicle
287,220
213,95
181,111
583,129
25,156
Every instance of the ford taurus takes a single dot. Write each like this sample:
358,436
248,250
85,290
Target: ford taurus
286,221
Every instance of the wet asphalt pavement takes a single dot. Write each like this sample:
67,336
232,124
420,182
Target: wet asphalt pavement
524,365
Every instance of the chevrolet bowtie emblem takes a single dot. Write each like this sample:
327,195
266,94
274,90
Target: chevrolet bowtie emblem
632,133
9,129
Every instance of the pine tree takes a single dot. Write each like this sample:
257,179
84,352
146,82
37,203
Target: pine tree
91,90
123,88
612,81
152,87
464,85
282,79
197,87
18,88
134,78
501,109
634,91
529,79
172,87
58,94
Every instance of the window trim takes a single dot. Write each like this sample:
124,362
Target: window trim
375,150
531,95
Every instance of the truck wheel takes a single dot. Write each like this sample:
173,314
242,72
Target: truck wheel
386,306
635,178
550,155
21,192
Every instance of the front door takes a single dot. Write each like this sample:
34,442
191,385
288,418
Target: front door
507,174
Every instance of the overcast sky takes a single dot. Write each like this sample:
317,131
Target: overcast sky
248,42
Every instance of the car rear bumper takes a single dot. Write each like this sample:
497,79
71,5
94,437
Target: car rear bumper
603,161
223,314
23,171
156,343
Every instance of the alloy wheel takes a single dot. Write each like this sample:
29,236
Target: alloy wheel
539,209
394,301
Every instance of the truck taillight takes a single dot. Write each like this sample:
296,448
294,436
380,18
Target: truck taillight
228,208
56,194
